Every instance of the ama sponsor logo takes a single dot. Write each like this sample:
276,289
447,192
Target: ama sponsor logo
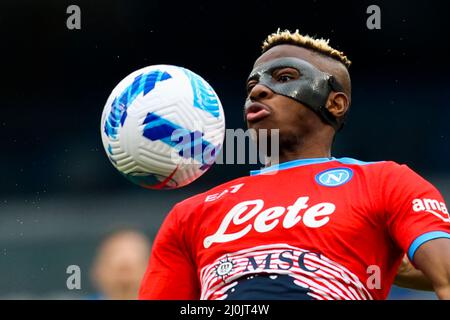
432,206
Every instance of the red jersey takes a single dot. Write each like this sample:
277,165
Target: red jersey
321,228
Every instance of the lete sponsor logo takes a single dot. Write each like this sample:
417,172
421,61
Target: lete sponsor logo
266,219
431,206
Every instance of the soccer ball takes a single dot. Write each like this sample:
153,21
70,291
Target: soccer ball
162,127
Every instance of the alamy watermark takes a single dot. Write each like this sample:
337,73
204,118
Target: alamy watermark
73,21
73,281
374,20
240,147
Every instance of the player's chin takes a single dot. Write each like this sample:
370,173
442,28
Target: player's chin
266,124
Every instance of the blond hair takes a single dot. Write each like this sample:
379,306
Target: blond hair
319,45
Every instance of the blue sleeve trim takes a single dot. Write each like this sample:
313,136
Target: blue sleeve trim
420,240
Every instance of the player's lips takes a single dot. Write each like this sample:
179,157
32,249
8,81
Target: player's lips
256,111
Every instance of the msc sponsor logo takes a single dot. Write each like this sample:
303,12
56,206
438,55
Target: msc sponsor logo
334,177
431,206
266,219
224,268
285,260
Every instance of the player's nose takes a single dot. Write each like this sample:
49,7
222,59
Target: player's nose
259,92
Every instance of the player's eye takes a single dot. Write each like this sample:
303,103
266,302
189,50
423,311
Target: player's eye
250,85
285,74
284,78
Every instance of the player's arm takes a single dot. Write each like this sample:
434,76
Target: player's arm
433,258
410,277
171,273
417,217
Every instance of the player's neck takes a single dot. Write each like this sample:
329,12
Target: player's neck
316,152
318,146
314,144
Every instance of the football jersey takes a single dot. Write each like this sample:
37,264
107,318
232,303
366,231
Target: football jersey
322,228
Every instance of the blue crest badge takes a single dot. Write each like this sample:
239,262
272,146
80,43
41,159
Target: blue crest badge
334,177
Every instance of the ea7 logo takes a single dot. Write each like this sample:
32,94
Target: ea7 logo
432,206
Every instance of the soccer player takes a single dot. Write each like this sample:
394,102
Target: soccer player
311,226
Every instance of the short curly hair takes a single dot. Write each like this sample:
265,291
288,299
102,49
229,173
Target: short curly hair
318,45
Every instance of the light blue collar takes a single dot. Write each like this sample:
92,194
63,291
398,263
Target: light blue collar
304,162
291,164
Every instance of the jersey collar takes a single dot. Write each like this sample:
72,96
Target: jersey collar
291,164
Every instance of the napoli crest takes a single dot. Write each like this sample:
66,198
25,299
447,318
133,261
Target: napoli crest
334,177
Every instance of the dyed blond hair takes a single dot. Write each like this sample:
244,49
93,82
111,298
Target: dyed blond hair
318,45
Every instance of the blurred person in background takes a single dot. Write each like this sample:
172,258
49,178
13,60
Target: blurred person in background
119,265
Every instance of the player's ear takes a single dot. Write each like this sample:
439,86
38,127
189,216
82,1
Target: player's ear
338,104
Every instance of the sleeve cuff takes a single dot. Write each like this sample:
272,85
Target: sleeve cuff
420,240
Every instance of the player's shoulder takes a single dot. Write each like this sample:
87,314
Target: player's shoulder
200,199
385,171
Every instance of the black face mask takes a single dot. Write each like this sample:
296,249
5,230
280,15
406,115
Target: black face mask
311,88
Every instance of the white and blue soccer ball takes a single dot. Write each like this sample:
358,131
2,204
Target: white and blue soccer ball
163,126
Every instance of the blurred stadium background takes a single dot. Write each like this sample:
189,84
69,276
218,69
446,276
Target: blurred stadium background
59,195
